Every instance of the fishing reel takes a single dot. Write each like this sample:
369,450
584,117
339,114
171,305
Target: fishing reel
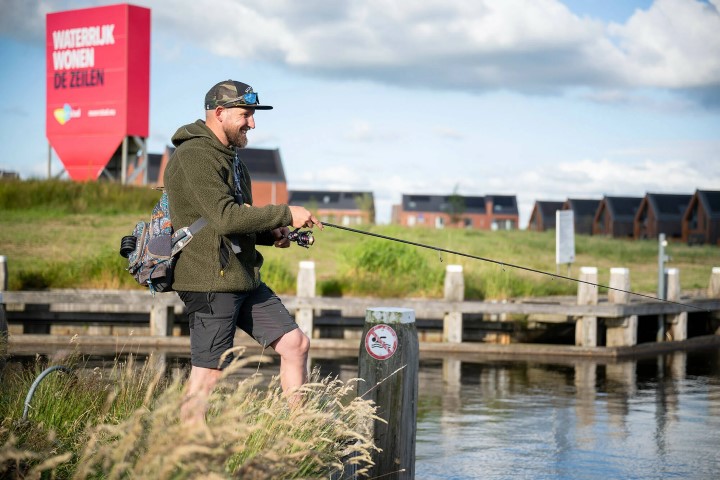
303,239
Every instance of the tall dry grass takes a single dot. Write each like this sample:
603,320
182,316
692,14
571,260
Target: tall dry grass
251,432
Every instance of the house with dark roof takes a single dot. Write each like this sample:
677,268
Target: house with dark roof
615,216
584,210
491,212
660,213
701,221
345,208
502,212
542,216
269,186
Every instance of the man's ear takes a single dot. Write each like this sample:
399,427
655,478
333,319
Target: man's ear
217,112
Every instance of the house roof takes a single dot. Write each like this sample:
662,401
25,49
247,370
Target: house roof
503,204
583,206
547,208
711,201
668,206
441,203
263,164
623,208
326,199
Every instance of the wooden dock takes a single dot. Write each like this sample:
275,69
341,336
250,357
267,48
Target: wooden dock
604,325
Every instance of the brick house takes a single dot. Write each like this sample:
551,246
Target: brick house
491,212
615,216
269,186
345,208
701,221
583,213
542,217
660,213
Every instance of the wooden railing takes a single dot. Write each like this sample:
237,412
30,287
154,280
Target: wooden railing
618,312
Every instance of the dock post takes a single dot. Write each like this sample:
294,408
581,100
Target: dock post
714,287
454,292
678,323
3,273
586,326
621,332
305,289
3,319
162,318
388,364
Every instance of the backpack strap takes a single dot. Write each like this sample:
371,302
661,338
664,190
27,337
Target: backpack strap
182,236
197,225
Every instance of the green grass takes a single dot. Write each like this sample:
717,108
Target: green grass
66,235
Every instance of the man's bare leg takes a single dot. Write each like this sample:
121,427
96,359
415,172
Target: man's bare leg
197,391
293,349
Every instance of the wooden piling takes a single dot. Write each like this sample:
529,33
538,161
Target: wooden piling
388,364
3,273
3,318
454,292
678,323
714,287
586,326
621,332
305,289
162,317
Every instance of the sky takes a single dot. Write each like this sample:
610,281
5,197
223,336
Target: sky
542,99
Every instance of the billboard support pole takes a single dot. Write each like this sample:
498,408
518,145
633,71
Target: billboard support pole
49,166
147,160
123,164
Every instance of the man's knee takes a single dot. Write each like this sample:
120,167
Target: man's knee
294,343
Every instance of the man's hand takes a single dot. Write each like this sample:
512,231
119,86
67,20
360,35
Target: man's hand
302,218
281,237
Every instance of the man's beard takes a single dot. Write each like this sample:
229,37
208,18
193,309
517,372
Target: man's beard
237,138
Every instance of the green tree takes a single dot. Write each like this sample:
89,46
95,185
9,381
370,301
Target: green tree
366,204
456,207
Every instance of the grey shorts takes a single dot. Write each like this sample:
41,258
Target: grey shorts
213,317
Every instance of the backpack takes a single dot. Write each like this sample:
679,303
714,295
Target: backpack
153,247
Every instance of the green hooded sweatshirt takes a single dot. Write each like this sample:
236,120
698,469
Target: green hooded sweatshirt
199,183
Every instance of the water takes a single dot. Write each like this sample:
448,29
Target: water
654,418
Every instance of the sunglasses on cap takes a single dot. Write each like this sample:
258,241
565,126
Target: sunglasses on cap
247,99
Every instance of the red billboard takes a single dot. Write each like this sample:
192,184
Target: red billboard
98,84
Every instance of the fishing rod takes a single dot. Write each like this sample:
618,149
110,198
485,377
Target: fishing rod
305,239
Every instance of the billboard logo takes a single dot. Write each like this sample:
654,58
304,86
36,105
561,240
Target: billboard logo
64,114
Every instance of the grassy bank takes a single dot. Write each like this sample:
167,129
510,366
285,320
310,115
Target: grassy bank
66,235
123,422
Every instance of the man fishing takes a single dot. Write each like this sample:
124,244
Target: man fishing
218,274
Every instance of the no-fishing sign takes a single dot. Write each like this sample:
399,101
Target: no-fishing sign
381,342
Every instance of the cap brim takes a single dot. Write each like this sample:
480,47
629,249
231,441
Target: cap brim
256,107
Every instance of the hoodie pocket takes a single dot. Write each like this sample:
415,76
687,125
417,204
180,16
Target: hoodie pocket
224,255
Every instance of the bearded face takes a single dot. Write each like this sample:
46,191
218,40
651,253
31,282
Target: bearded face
237,136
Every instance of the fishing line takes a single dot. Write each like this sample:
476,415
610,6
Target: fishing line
510,265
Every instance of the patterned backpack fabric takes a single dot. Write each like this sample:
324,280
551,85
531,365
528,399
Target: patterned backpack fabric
152,248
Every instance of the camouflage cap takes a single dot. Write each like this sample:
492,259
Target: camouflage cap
230,93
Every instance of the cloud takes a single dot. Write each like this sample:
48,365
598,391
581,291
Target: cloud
24,20
530,46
